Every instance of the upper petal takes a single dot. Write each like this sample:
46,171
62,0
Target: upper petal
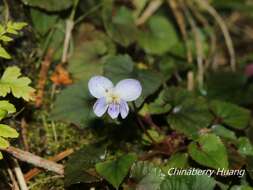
100,107
124,109
128,89
113,110
98,85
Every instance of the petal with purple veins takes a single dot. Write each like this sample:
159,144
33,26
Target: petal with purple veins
100,107
99,85
128,89
124,109
113,110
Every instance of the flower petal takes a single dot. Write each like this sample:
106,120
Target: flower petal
128,89
98,85
100,107
113,110
124,109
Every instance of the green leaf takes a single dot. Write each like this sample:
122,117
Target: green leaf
114,171
244,146
160,105
178,160
2,29
231,114
150,81
1,156
50,5
223,132
6,105
120,26
80,162
159,37
91,51
14,27
55,39
154,134
12,82
6,108
228,86
175,183
4,53
147,175
241,187
189,114
5,38
73,105
209,151
87,60
43,21
4,143
188,182
3,114
7,131
119,67
249,166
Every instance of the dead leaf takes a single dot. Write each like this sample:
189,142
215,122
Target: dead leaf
61,76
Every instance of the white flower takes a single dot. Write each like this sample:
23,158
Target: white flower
113,98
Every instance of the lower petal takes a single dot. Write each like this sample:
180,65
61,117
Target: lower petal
113,110
100,107
124,109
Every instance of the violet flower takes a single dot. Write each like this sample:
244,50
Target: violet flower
113,99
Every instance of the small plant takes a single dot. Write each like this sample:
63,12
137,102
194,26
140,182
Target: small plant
6,32
11,82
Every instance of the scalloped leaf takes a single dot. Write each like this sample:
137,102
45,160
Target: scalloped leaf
231,114
146,175
208,150
11,81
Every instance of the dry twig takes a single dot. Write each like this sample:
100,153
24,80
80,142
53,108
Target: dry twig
43,77
224,30
35,160
68,31
35,171
149,11
19,175
24,133
182,26
14,183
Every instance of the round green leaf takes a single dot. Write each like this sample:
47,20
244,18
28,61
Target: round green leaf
208,150
185,182
146,175
159,36
244,146
231,114
73,105
114,171
189,114
82,160
119,26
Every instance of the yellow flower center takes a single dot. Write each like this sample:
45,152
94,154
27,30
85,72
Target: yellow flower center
111,97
